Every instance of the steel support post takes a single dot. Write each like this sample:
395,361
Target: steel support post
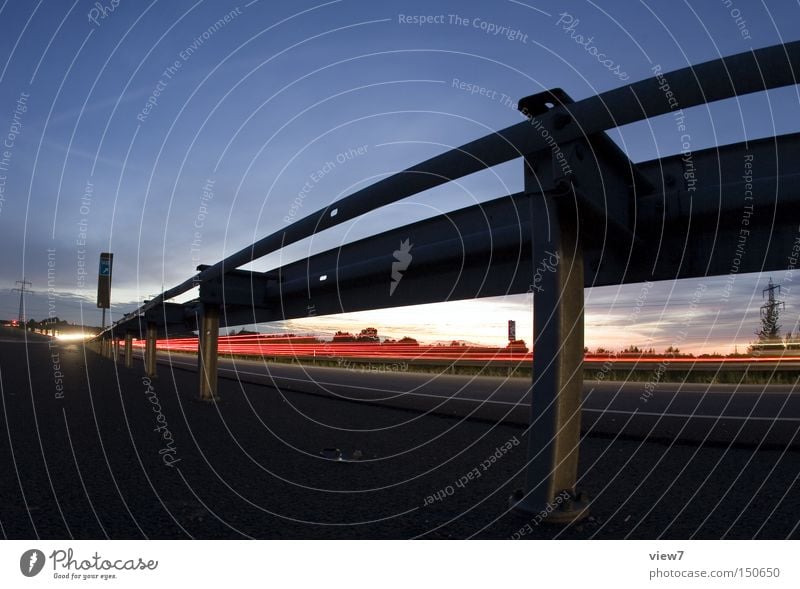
208,347
128,349
150,350
558,307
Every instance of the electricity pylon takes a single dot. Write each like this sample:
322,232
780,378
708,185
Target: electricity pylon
770,313
22,290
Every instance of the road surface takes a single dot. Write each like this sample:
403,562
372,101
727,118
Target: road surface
689,412
89,449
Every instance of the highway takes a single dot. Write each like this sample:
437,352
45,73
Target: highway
95,450
747,414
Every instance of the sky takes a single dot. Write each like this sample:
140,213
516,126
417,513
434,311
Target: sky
147,130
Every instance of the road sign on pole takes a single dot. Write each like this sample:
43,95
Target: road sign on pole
104,281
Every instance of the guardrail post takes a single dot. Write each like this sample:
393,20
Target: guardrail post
208,347
558,307
128,349
150,349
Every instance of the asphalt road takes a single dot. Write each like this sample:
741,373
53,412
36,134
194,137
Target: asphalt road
688,412
85,454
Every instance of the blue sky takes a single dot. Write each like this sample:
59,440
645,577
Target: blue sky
194,139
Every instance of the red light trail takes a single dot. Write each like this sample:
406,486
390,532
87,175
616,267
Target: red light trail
308,347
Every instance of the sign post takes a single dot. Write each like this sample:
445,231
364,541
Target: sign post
512,330
104,283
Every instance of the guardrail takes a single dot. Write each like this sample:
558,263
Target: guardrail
589,213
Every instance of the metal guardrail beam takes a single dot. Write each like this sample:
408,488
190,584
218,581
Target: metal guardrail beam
736,75
485,250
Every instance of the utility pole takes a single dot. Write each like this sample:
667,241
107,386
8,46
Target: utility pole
770,312
22,290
